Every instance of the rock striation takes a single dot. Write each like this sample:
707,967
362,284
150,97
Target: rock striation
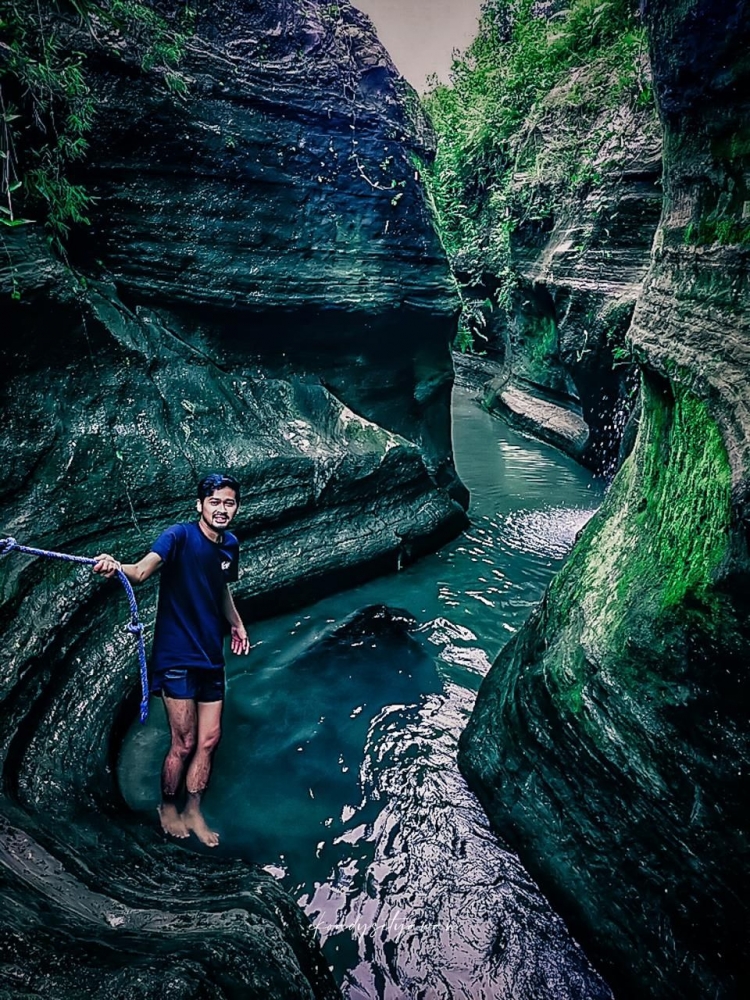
565,428
610,740
260,290
552,284
579,276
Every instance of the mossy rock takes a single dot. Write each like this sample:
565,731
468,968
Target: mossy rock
609,742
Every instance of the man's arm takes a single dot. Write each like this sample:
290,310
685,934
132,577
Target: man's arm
240,643
135,572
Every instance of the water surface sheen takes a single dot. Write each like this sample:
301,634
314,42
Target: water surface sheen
337,770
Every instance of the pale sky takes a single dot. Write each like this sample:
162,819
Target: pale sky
421,34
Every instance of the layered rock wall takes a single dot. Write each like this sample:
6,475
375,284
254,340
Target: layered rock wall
274,213
260,290
579,273
610,740
550,204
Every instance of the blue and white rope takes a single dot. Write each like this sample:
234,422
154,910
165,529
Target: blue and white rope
134,625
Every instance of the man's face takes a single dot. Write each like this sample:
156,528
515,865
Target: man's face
217,510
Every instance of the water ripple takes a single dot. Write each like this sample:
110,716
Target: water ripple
440,910
549,532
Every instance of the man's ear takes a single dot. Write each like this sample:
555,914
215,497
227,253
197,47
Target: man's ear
198,506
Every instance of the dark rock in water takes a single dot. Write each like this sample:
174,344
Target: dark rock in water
261,290
610,741
529,409
375,619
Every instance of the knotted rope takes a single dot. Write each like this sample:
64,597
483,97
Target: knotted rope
134,625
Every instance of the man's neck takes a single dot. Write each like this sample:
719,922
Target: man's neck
211,534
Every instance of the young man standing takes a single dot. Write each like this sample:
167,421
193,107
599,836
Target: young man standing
198,561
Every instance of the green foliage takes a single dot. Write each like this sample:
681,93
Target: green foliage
724,231
542,337
616,322
47,112
472,323
496,169
464,339
622,354
47,107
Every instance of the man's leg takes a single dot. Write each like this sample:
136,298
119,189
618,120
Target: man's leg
183,725
199,771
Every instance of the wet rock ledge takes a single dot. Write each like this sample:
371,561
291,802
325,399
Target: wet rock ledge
260,290
610,741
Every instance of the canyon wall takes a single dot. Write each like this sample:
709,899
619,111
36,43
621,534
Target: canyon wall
260,290
610,740
547,184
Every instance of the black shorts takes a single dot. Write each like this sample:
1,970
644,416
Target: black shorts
195,683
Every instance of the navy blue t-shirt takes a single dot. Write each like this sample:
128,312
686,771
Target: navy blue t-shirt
190,621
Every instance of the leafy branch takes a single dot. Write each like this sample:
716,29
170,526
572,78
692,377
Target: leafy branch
47,106
528,106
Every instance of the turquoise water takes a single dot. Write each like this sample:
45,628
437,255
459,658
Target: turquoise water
337,768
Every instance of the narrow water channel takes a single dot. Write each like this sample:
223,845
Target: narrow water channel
337,770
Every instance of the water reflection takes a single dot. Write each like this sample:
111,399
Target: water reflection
338,767
442,910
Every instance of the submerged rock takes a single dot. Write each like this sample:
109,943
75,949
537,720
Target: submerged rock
610,740
373,620
260,290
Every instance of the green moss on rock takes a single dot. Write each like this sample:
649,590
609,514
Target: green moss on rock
542,340
685,481
664,530
618,709
725,232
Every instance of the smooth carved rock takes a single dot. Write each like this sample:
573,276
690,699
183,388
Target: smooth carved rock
544,419
260,290
610,740
275,216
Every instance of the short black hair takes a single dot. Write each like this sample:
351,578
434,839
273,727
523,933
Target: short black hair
217,481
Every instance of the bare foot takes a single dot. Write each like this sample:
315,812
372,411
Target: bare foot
193,820
171,821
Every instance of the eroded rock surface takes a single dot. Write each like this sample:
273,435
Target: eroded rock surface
610,741
559,425
580,279
260,290
588,171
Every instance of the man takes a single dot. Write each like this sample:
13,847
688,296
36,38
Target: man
198,561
